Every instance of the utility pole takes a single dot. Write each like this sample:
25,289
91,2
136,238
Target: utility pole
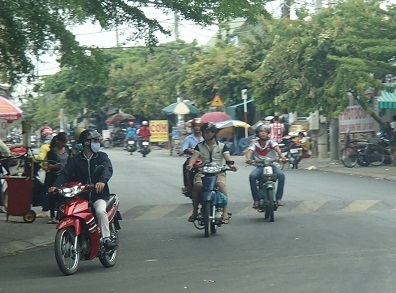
286,8
177,19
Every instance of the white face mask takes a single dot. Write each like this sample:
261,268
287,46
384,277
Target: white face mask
95,146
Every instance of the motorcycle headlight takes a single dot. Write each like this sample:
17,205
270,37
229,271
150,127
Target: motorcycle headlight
71,191
211,169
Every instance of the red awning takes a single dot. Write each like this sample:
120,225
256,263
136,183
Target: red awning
8,110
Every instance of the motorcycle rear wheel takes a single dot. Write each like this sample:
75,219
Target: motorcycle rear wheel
269,211
67,256
109,258
206,215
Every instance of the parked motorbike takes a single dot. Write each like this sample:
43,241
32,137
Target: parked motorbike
291,151
211,201
78,236
145,149
131,145
266,186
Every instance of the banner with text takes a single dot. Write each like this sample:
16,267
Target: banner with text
355,119
159,130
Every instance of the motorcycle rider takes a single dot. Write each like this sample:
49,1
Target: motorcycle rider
210,150
261,148
131,133
187,148
82,167
144,133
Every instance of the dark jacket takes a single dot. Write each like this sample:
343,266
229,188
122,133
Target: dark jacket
78,168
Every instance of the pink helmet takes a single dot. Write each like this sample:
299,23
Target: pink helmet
46,132
131,123
196,121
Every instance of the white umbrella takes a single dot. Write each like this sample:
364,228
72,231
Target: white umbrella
181,109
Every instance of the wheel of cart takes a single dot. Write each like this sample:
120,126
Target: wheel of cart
19,192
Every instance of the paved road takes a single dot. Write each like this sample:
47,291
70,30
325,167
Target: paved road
335,234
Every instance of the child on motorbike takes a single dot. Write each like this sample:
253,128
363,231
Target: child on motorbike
82,167
265,147
210,150
304,142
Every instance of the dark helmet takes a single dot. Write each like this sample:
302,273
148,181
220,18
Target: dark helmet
85,135
209,126
262,127
88,135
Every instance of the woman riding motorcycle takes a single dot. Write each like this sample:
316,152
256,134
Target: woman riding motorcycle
81,167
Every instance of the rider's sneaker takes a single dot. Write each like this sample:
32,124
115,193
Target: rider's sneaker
255,204
109,244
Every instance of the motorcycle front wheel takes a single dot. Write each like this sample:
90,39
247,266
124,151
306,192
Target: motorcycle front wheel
206,215
67,256
109,258
269,211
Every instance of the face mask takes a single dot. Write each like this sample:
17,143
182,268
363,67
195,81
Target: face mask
95,146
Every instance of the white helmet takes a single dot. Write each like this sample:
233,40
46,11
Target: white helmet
145,123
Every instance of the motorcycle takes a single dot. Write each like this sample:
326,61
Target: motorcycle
131,145
291,151
266,187
78,236
145,149
211,199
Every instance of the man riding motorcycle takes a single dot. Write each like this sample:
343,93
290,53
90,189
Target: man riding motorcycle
265,147
82,167
144,133
210,150
187,148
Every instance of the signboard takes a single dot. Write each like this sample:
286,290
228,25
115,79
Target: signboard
217,102
159,131
355,119
3,129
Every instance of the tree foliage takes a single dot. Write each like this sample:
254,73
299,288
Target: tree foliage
29,28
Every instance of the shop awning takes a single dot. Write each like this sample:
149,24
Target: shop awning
387,100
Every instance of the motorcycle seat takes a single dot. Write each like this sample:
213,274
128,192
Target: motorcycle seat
110,202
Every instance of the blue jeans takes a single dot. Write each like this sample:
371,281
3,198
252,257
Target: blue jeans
256,175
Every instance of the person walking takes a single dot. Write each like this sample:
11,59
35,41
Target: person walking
277,129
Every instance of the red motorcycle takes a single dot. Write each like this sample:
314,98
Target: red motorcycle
78,236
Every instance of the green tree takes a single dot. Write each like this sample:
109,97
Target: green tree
29,28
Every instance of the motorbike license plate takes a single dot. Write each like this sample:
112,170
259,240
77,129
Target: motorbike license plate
294,151
145,143
131,142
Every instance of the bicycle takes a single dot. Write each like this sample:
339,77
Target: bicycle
353,152
363,152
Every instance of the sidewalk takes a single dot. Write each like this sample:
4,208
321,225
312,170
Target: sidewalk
16,235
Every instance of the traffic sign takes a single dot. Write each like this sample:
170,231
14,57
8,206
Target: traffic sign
217,102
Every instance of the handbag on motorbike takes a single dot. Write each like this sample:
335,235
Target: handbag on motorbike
220,200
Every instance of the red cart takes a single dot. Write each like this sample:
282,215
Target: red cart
20,188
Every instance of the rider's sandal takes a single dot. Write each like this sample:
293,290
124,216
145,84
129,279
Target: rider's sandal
225,220
192,219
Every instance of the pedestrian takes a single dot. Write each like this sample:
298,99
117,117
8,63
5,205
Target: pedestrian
57,159
46,135
5,152
277,129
